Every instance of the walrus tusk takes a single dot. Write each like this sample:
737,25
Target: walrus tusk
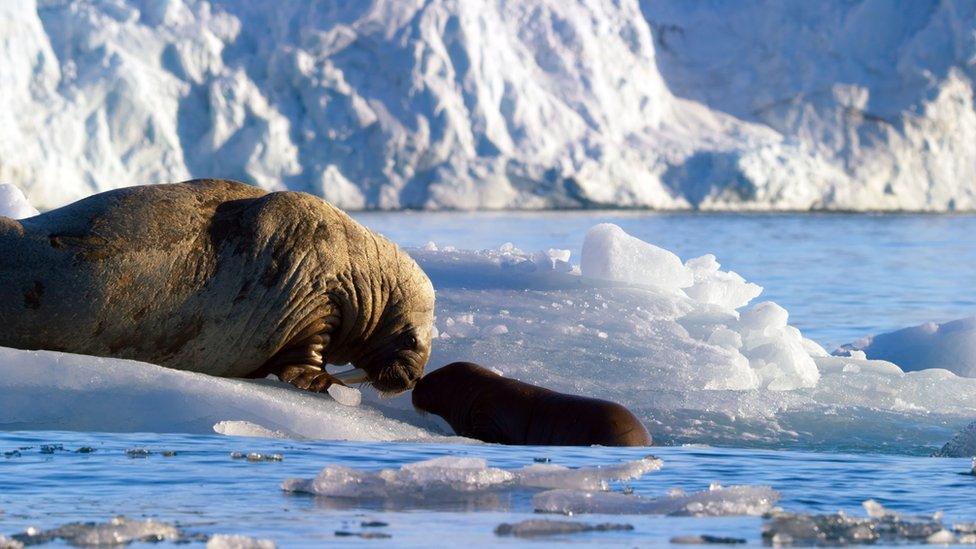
356,375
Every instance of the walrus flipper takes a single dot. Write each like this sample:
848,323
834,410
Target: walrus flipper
300,361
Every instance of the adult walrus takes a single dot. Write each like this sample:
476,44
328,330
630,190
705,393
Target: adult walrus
481,404
217,277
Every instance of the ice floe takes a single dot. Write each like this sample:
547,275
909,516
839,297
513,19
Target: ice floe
716,501
881,526
446,477
118,531
92,391
685,348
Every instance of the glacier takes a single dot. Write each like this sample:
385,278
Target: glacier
441,104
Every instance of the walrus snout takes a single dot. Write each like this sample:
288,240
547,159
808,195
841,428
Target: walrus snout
481,404
396,377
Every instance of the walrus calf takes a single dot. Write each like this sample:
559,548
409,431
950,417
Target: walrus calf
481,404
217,277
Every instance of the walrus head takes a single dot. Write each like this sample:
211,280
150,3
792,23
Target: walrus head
392,345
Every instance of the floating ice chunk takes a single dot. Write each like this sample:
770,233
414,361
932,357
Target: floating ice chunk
7,543
118,531
726,289
14,204
545,527
611,254
950,345
545,475
717,501
248,429
225,541
448,476
880,527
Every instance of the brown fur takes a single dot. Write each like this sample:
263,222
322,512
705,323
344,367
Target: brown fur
481,404
217,277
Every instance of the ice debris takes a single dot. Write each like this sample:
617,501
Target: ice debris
546,527
118,531
705,539
225,541
881,526
444,477
716,501
8,543
347,396
255,456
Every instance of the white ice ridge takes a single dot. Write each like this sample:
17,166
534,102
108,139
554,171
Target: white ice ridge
714,502
530,104
61,391
449,476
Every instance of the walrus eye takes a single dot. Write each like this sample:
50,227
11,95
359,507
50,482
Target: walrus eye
410,341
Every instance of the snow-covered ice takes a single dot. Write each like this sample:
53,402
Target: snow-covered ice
449,477
949,345
714,502
609,253
99,394
531,104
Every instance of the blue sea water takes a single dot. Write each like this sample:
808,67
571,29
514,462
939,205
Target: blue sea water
840,276
204,491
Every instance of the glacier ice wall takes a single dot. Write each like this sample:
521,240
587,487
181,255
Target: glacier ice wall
530,104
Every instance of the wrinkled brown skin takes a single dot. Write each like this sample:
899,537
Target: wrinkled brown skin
216,277
481,404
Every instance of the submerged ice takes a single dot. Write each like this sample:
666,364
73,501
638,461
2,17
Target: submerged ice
682,343
714,502
446,477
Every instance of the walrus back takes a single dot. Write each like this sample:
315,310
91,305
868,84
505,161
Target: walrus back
95,276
